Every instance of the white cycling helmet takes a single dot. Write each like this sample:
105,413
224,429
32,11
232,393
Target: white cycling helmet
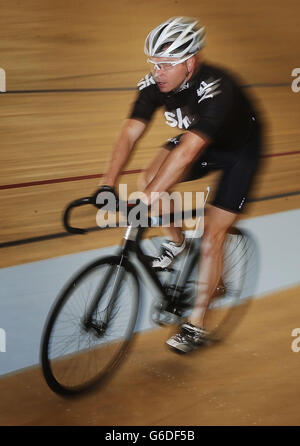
178,37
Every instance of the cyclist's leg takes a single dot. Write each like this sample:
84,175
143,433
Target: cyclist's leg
173,233
232,193
149,174
217,222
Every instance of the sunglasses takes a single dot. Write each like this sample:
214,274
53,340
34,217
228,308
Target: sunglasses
166,66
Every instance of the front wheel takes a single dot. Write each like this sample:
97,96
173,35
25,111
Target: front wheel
90,326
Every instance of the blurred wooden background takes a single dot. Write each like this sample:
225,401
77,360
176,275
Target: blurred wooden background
71,70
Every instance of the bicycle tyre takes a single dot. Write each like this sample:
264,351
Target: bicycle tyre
68,341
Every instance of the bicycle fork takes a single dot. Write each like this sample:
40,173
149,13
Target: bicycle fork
89,320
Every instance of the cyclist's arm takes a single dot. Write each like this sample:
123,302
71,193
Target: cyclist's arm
132,130
174,167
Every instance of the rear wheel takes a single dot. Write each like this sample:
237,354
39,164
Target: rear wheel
90,326
235,290
231,299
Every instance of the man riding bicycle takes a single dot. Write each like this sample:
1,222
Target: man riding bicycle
219,127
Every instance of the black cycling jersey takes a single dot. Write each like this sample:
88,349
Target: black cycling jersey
212,103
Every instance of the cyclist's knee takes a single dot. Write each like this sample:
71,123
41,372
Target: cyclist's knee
145,179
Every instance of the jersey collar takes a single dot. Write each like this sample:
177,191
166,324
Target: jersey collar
187,84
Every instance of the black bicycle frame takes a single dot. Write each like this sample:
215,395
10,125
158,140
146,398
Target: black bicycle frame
131,248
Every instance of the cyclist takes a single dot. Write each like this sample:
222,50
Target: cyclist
219,127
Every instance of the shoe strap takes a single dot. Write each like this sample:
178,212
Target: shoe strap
165,253
191,327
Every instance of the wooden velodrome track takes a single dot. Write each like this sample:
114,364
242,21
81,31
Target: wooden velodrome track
71,71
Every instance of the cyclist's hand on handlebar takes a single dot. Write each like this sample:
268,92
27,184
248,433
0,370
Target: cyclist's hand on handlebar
103,195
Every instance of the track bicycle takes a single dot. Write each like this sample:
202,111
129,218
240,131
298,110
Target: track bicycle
91,324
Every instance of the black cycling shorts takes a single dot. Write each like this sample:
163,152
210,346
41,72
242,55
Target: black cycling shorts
238,169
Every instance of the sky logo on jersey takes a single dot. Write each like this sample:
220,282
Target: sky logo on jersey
208,89
146,82
175,119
